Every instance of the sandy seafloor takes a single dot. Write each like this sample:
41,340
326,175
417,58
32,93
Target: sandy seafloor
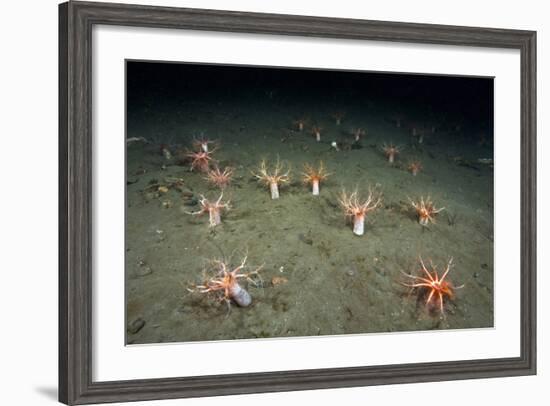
337,282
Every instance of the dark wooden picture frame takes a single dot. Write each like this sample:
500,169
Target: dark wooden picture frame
76,20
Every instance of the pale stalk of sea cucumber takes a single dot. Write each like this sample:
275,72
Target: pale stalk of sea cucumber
167,154
391,158
315,186
204,147
318,136
359,224
239,295
215,217
274,190
423,220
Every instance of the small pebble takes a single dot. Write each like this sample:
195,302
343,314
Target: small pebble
136,325
306,239
143,271
191,202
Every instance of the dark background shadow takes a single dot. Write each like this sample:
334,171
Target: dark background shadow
49,392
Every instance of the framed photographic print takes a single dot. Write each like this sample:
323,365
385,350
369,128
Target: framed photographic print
256,202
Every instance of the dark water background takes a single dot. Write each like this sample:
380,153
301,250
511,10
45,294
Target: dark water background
327,280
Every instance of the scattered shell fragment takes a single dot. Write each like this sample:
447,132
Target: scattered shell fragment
278,280
167,204
163,189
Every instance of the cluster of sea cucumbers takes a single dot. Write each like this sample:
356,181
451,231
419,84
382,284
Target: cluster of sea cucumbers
223,281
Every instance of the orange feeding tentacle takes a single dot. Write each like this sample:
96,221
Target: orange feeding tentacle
433,285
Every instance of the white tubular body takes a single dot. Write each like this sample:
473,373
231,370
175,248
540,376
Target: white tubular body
274,188
239,295
315,187
215,217
358,225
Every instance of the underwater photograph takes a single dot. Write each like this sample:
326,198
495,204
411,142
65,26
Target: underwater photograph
271,202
